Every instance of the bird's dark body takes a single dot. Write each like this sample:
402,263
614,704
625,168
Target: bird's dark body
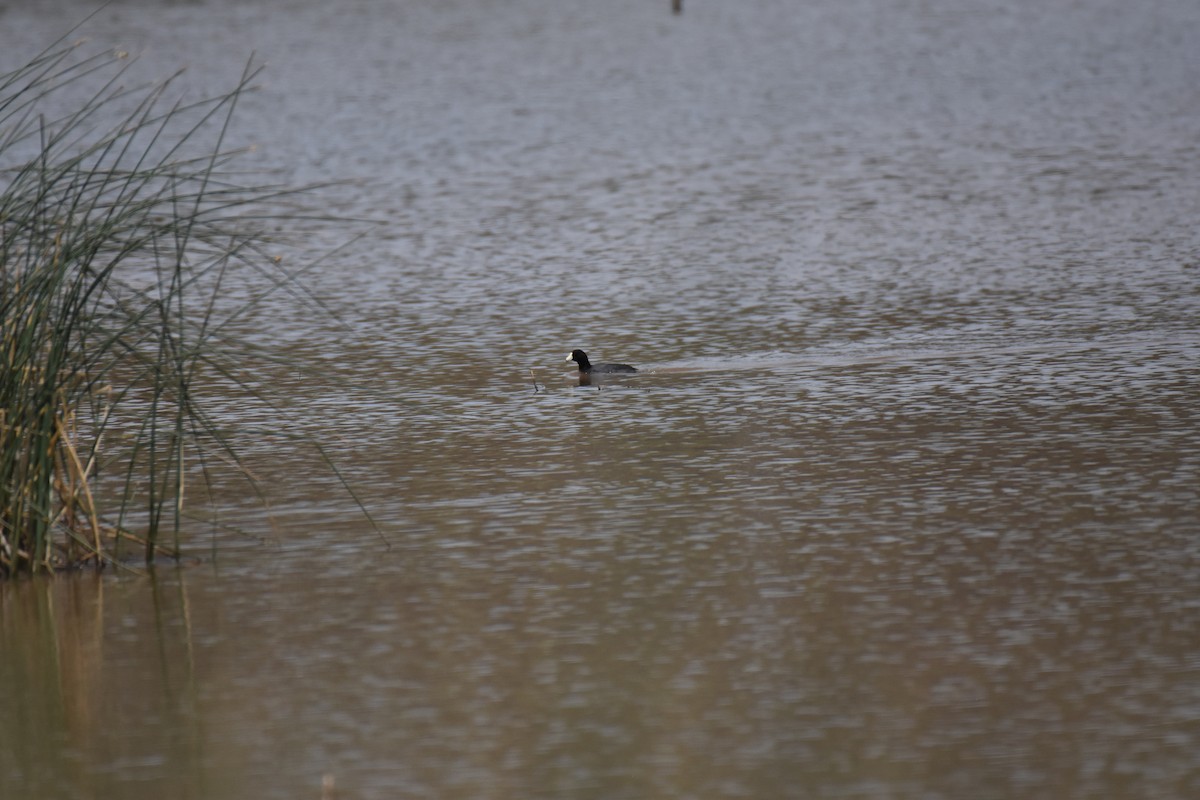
586,367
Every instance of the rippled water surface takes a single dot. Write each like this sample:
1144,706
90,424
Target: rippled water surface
903,503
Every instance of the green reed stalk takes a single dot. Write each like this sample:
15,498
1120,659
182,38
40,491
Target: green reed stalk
120,224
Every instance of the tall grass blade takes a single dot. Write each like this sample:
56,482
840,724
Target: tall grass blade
121,224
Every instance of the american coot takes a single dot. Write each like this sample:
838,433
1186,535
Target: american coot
588,368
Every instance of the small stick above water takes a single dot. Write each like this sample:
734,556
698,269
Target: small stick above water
535,383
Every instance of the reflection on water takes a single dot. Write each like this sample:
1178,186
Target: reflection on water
670,662
106,700
902,504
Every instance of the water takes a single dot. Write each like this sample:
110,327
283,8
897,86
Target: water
903,503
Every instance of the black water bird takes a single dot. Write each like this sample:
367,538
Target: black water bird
588,368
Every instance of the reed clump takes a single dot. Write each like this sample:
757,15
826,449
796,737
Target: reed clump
121,224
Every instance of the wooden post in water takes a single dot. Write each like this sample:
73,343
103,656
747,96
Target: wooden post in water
677,6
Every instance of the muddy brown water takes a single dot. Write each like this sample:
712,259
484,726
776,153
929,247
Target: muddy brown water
904,502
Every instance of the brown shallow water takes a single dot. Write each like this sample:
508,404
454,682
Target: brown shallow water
904,502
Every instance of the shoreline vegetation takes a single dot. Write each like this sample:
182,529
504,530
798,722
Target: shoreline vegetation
124,232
